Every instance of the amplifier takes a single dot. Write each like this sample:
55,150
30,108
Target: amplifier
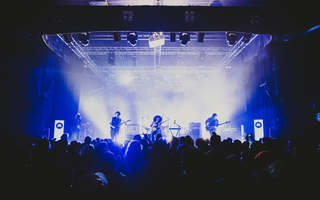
194,125
195,130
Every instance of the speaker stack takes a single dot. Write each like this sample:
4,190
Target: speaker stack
195,130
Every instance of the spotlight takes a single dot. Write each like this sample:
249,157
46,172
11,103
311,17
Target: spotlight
172,37
132,38
232,38
83,38
156,40
200,37
116,37
184,38
246,37
67,37
318,117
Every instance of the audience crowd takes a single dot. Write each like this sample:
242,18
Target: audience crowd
180,168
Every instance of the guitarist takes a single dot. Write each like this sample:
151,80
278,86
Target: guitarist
212,123
156,127
115,125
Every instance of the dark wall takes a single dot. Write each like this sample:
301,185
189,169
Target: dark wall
34,90
291,97
297,67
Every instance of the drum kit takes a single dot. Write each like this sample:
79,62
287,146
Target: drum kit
167,130
176,130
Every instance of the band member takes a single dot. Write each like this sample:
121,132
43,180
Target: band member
212,123
115,125
156,127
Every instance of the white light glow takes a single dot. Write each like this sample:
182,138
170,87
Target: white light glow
94,109
156,40
125,78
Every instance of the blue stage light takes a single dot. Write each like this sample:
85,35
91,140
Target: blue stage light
132,38
232,38
318,117
184,38
83,38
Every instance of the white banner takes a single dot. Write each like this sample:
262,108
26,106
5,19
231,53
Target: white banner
58,128
258,129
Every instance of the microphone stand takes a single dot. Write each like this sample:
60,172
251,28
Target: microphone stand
176,124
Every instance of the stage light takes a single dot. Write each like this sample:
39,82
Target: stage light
172,37
83,38
156,40
200,37
246,37
67,37
184,38
98,3
318,117
116,37
232,38
132,38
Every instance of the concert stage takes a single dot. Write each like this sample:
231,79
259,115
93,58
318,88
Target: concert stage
184,84
184,73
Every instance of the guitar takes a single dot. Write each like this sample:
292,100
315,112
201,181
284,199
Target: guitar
210,128
113,127
154,128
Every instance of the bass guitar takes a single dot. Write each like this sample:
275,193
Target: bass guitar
155,126
210,128
113,127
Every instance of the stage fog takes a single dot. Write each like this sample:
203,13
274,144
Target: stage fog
180,95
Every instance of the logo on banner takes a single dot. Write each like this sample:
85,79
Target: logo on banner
258,124
59,125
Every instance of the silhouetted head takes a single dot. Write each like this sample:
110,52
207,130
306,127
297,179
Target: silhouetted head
182,140
237,142
157,118
174,141
202,144
189,140
117,114
87,140
64,136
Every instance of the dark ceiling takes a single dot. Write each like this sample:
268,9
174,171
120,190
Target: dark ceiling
164,2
